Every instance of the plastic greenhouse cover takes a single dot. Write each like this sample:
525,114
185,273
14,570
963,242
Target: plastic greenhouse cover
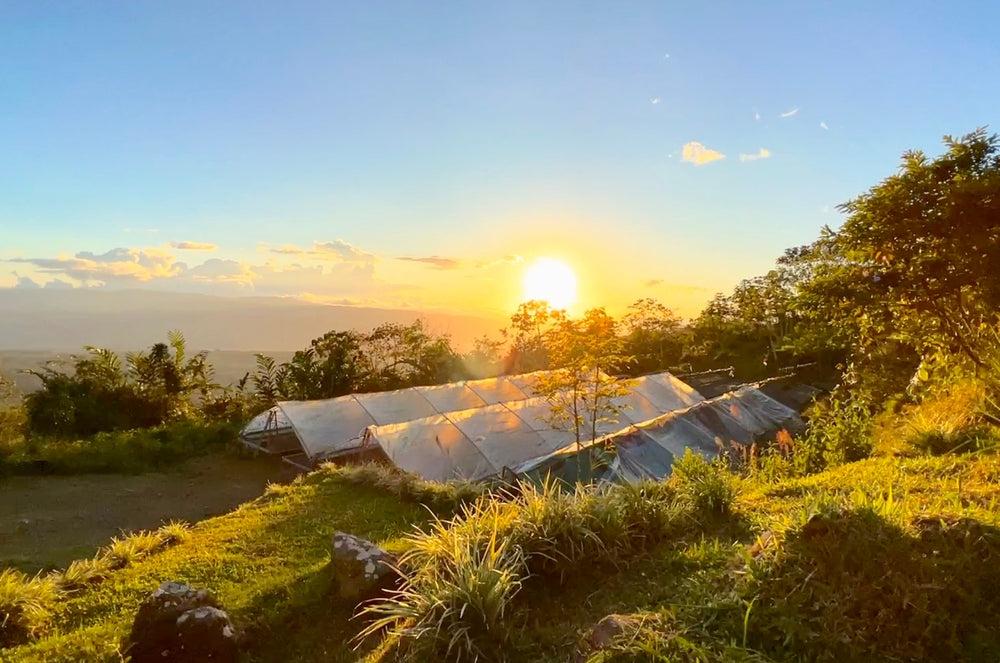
451,397
326,427
433,448
496,390
392,407
640,457
503,437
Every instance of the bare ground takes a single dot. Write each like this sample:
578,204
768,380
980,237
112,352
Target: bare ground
48,521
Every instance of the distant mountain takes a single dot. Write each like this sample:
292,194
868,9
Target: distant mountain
55,320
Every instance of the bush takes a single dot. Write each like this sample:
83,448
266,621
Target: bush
708,486
123,451
26,606
462,575
840,431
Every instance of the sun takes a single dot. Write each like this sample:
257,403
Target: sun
551,281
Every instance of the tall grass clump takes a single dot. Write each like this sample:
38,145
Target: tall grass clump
26,606
458,610
461,574
707,485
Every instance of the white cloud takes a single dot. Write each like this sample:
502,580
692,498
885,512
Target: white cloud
655,101
193,246
699,155
756,115
764,153
790,113
822,125
337,251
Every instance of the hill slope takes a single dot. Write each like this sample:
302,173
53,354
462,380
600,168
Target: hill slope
885,559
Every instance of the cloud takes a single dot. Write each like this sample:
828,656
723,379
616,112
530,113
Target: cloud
764,153
652,283
699,155
193,246
435,261
655,101
25,283
790,113
822,125
117,265
756,115
338,251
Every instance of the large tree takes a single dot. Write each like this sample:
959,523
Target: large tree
917,261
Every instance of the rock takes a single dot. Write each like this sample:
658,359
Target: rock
605,631
180,624
359,567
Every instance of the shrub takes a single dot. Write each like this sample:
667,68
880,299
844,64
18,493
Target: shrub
708,486
26,606
82,573
463,573
122,552
461,613
840,431
174,532
121,451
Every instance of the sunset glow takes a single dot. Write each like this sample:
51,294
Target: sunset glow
551,281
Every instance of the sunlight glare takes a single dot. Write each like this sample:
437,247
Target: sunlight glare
552,281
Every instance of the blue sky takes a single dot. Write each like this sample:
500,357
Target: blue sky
303,148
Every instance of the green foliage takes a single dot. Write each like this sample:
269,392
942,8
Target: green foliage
865,580
121,451
458,610
707,485
442,498
26,606
653,337
839,431
580,392
462,575
391,356
100,394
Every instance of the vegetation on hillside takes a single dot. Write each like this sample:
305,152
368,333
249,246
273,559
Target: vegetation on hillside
871,537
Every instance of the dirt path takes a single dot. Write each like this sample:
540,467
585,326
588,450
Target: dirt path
46,522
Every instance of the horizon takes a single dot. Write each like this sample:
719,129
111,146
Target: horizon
427,159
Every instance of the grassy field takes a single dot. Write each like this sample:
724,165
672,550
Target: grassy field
48,521
885,559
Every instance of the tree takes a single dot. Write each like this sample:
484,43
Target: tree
916,261
653,336
581,390
528,334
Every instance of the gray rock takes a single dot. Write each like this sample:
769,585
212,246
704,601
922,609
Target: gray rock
359,567
180,624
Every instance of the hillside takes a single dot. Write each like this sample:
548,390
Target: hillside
131,319
888,558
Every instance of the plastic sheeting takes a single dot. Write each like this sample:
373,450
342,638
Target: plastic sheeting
501,417
648,450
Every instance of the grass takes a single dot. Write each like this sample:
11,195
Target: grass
442,498
123,452
265,562
889,558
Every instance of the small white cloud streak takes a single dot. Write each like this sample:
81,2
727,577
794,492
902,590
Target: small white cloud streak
822,125
764,153
194,246
696,153
790,113
654,101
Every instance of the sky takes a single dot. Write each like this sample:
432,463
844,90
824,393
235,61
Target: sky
424,155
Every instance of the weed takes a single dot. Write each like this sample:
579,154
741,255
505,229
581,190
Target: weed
708,486
26,606
174,532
